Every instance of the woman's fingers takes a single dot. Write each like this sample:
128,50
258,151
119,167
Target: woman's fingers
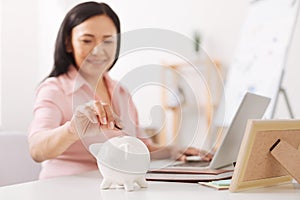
90,114
86,111
106,115
182,157
191,151
100,112
206,155
91,117
109,116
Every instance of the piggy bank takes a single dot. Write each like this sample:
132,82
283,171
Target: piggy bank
122,160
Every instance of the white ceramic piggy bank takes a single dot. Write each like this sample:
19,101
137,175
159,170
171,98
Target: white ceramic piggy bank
123,161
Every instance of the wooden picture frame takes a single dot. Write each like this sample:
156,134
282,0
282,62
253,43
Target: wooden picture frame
255,166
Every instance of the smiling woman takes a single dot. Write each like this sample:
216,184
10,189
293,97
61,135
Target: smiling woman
54,133
79,99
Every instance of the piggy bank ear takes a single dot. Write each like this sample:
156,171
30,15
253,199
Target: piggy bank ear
95,148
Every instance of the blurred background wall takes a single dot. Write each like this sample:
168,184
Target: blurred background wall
28,31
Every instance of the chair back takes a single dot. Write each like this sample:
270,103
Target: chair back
16,164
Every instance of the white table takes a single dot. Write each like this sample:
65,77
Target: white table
86,187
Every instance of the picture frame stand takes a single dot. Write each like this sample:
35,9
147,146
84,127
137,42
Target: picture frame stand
288,157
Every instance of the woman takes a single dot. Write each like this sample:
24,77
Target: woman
79,61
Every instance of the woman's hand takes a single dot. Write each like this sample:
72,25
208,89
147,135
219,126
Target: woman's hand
191,151
89,117
164,152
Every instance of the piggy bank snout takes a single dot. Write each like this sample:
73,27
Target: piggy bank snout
95,148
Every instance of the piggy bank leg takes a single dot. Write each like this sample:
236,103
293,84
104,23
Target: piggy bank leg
129,186
142,182
105,184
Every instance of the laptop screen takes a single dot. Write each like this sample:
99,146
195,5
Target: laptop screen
253,106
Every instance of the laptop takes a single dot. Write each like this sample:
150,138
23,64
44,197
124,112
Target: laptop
252,106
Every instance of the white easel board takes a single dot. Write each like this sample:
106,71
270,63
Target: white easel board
260,57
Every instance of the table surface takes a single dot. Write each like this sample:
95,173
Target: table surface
87,186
